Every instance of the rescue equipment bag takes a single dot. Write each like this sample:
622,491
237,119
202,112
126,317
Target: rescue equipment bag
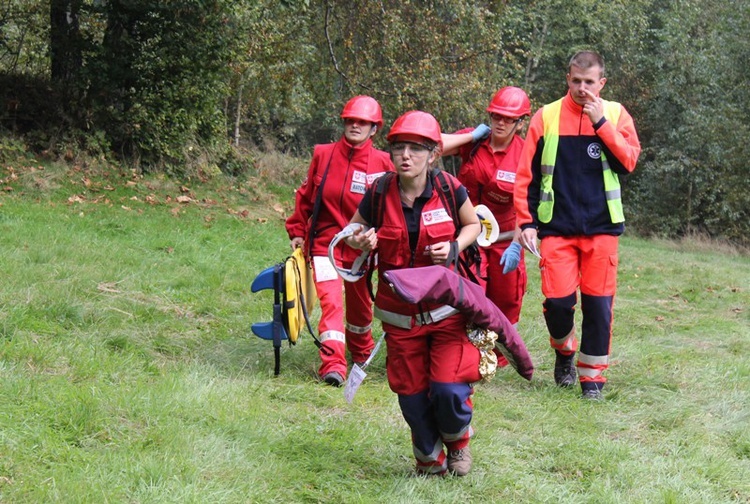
293,299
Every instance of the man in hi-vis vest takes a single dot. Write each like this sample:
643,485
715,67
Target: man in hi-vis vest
567,194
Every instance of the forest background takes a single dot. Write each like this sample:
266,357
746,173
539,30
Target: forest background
197,88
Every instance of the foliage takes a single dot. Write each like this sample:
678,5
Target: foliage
695,173
172,87
24,29
158,76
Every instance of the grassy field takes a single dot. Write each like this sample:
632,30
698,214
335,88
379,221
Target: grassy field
128,372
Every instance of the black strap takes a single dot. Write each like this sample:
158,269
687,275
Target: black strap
475,148
453,256
278,317
448,196
461,262
379,192
316,208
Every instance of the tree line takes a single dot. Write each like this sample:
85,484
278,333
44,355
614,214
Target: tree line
170,85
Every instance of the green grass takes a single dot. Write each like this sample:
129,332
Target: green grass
128,372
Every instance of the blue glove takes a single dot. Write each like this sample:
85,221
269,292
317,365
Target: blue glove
511,257
480,133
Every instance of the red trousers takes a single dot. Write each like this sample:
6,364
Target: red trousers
588,264
431,368
505,290
354,335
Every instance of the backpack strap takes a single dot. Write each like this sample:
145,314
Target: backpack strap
448,196
467,263
379,192
378,198
316,208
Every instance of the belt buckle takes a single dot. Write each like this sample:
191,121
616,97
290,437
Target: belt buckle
423,318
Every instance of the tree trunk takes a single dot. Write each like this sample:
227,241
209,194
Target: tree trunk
65,47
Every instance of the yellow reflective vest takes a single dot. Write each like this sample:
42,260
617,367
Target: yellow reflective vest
551,120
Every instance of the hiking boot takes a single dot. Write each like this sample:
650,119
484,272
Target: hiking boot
459,461
565,370
592,395
333,378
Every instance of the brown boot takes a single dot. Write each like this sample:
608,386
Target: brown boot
459,461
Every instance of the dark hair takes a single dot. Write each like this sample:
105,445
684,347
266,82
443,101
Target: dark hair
587,59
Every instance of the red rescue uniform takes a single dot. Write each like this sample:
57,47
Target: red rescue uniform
430,365
350,170
489,176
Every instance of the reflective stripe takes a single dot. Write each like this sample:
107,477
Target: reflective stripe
551,122
332,336
437,450
461,435
593,360
409,321
612,192
433,469
589,372
358,329
568,343
591,366
611,195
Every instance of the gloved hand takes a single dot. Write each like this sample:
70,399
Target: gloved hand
511,257
480,133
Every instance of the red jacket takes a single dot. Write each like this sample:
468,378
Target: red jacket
435,225
490,177
352,170
580,202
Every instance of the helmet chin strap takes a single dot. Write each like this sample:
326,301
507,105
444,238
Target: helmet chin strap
515,127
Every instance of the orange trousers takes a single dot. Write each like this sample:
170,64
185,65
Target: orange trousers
587,264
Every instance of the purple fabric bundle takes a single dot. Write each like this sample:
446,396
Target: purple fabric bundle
438,284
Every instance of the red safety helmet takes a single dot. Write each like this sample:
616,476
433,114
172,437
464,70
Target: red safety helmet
510,101
416,123
363,107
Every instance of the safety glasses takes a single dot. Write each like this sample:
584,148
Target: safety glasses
504,119
417,149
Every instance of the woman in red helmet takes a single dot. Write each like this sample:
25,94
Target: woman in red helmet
488,171
337,178
431,364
